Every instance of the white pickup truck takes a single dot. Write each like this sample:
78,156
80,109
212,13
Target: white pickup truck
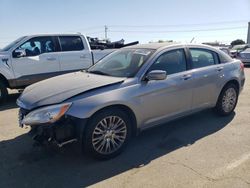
30,59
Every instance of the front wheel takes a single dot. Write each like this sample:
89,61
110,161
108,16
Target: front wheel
107,134
227,100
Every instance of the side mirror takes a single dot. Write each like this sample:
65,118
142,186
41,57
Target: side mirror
156,75
19,53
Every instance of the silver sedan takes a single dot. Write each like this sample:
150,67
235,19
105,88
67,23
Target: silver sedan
130,90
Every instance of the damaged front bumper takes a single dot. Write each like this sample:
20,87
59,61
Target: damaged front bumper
64,131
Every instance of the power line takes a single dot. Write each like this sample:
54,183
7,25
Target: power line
91,28
95,32
182,25
174,31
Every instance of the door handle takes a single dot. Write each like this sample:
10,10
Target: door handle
186,76
219,69
51,58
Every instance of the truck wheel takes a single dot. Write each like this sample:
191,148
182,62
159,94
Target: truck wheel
107,134
3,92
227,100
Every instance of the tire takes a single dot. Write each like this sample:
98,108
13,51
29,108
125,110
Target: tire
106,143
226,104
3,92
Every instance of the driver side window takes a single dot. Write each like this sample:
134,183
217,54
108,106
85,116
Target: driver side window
173,61
31,47
37,46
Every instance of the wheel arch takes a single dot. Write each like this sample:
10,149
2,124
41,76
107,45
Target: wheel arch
124,108
233,81
4,80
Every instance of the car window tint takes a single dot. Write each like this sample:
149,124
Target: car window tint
71,43
203,58
226,51
38,45
224,58
122,63
172,62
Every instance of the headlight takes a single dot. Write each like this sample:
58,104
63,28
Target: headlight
47,114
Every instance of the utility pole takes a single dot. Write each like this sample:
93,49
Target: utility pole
106,32
248,33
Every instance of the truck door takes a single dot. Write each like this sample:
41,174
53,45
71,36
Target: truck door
39,60
74,55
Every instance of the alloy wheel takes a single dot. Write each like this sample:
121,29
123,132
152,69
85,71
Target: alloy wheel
229,99
109,134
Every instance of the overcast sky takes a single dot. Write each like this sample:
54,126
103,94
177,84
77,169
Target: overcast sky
179,20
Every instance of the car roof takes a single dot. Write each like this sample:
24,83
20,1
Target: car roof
160,46
153,46
54,34
220,47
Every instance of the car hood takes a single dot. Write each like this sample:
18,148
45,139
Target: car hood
58,89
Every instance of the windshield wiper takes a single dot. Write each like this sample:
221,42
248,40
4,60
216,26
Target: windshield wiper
98,72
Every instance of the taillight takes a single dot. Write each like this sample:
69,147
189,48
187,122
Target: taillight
241,66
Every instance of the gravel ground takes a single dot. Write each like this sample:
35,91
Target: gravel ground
202,150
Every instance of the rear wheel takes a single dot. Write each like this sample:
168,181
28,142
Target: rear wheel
3,92
227,100
107,134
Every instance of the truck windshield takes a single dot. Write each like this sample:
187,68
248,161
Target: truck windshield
9,46
122,63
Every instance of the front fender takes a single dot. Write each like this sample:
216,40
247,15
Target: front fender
6,67
85,106
86,109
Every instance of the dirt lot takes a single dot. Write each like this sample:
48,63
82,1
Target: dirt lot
201,150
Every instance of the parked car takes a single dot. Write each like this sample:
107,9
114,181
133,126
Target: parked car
130,90
244,56
238,48
33,58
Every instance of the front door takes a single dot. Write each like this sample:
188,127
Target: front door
171,97
39,62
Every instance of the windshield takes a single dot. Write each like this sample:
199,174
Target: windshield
122,63
9,46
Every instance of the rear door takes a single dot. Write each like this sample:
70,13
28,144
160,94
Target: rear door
208,75
41,60
74,55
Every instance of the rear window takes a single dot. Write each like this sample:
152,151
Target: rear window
203,57
71,43
224,58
